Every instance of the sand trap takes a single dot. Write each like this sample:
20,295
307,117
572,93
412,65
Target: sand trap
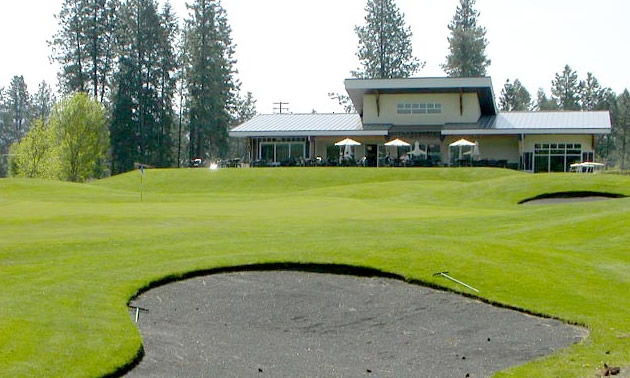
570,197
295,324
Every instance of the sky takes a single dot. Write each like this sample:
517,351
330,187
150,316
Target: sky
298,51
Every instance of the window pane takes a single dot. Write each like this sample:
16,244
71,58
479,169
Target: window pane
266,153
297,150
282,152
541,164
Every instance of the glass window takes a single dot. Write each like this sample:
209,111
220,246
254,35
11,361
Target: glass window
297,150
282,152
266,152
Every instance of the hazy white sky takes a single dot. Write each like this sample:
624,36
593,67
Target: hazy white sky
297,51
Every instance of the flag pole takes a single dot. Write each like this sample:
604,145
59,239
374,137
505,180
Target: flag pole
141,186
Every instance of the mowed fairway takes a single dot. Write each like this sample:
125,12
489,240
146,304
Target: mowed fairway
72,255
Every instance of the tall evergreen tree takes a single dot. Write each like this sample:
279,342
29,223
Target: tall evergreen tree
621,128
467,43
544,103
5,142
83,45
211,86
514,97
18,103
43,102
565,89
167,86
142,114
385,48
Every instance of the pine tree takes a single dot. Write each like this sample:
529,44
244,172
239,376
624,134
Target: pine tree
83,46
544,103
621,128
18,105
167,87
467,43
43,102
385,48
142,114
565,89
514,97
209,71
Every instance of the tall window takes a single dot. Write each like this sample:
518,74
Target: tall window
283,150
556,157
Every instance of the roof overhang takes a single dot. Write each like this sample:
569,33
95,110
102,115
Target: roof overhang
288,134
525,131
358,88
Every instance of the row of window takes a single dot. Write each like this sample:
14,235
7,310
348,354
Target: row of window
419,108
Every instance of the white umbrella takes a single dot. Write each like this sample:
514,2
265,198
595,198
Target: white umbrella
417,150
475,151
347,151
347,142
461,143
397,143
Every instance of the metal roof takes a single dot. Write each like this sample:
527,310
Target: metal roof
311,124
536,123
357,88
342,124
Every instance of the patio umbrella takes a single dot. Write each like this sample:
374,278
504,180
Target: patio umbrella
461,143
397,143
347,152
475,151
347,144
417,151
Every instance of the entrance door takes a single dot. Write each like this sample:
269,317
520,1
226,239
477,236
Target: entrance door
371,154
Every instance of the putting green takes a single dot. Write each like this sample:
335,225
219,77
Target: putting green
71,255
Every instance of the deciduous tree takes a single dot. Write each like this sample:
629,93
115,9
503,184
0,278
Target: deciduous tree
80,136
35,156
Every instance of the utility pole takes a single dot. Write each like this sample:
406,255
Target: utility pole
280,109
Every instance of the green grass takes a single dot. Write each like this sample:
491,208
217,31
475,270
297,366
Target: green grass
72,255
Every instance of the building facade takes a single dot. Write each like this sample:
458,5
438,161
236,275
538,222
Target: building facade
430,114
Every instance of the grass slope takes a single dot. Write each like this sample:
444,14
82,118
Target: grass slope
72,255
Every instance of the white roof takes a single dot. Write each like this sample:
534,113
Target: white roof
310,124
349,124
559,122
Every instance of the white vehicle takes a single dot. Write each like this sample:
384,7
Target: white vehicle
587,167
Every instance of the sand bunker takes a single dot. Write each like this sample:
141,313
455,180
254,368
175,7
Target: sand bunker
295,324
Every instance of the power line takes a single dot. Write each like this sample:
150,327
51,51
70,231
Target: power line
280,109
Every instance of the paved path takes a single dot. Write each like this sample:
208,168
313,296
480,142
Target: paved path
294,324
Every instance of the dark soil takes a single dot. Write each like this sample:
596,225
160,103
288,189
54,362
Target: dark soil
295,324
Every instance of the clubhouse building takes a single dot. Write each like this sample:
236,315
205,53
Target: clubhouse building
444,121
